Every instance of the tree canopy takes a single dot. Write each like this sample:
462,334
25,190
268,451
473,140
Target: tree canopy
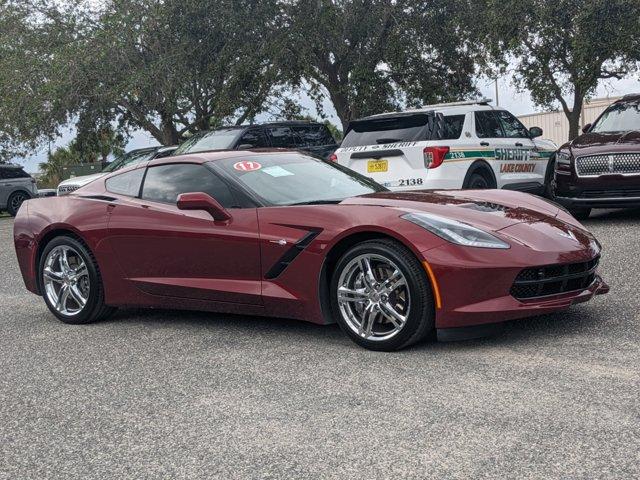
563,48
174,67
168,67
371,56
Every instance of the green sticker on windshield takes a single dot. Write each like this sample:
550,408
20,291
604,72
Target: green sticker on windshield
277,171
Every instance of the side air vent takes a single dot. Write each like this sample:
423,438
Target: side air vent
290,255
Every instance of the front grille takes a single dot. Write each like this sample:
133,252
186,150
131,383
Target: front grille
554,279
617,193
66,189
621,163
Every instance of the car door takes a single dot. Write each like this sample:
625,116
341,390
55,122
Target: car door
507,151
5,186
522,165
171,252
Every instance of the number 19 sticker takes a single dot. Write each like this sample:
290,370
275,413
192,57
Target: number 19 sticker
247,166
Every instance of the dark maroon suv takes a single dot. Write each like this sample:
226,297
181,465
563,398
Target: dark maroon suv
601,168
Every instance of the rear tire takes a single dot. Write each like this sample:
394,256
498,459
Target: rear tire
15,201
70,282
388,306
478,179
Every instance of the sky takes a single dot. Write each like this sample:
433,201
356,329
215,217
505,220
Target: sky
518,103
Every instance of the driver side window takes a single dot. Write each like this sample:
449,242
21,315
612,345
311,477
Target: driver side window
163,183
512,126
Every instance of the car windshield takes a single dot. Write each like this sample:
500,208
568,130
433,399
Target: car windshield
128,159
619,117
221,139
295,178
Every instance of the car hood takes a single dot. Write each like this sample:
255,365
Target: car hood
596,143
528,219
489,209
83,180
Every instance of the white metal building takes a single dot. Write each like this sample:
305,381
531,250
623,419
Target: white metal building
555,125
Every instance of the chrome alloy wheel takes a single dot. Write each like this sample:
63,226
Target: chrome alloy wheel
373,297
66,280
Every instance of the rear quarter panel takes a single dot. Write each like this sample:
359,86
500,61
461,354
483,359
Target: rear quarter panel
41,219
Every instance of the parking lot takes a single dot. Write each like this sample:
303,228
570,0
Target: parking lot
150,394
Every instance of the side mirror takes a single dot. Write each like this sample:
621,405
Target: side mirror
245,146
586,128
535,132
203,201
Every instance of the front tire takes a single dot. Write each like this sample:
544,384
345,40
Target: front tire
15,201
70,282
381,297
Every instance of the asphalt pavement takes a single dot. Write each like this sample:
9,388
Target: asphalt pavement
169,394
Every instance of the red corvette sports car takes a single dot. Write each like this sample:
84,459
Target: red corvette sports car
280,233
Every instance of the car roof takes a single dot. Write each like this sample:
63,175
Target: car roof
213,155
168,148
283,123
629,97
453,108
10,165
144,149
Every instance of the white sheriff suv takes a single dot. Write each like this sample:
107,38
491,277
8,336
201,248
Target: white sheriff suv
448,146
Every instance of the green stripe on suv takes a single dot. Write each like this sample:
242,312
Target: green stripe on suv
459,154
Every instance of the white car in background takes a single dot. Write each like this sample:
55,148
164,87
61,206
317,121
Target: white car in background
130,158
448,146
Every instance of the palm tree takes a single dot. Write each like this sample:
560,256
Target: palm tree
52,169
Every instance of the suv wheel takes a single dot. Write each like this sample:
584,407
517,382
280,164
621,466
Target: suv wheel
15,201
478,180
580,213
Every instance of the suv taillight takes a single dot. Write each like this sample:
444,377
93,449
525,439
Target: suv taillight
332,158
434,156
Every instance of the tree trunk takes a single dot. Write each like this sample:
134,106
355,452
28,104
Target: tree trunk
574,125
576,112
341,104
169,132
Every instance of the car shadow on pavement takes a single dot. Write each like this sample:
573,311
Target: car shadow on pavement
227,323
517,332
532,330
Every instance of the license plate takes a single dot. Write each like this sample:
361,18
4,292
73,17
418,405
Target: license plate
374,166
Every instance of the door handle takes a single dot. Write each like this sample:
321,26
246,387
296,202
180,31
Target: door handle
518,144
484,144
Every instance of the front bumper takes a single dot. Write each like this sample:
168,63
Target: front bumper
610,200
475,284
603,191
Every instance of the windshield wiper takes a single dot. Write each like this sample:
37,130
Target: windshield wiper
318,202
387,140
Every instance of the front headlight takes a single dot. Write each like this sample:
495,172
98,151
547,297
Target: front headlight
455,232
563,159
